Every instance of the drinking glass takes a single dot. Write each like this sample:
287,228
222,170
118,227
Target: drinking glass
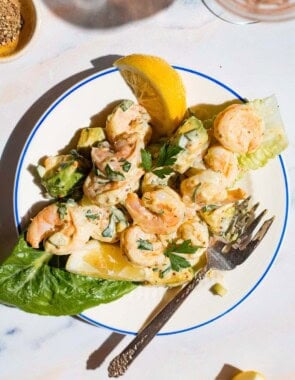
249,11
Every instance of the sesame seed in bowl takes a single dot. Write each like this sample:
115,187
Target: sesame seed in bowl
18,24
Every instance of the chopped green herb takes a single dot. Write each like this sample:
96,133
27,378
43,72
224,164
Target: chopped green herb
164,272
126,166
114,175
62,210
111,228
209,208
163,172
146,160
184,247
145,245
178,262
167,154
90,215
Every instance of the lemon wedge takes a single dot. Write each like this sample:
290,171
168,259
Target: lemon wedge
249,375
103,260
158,87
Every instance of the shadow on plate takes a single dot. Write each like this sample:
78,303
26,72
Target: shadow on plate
15,144
102,14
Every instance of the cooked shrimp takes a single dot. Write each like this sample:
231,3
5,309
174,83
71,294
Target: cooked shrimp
109,193
204,188
128,117
195,230
47,221
208,187
159,211
67,227
239,128
142,248
123,159
224,161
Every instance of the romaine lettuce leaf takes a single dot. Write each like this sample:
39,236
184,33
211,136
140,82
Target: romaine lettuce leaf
274,140
29,282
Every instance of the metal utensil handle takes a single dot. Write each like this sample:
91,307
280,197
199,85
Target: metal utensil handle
120,363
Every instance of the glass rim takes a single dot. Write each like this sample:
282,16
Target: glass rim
263,12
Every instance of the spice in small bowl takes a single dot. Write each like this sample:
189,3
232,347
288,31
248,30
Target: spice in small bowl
18,21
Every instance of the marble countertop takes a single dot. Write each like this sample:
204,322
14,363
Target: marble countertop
257,60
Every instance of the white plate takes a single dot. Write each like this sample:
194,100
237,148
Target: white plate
73,111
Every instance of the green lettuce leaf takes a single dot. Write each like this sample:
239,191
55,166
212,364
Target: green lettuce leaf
274,140
29,281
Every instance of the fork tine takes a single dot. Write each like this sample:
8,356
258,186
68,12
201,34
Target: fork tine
245,237
237,255
259,235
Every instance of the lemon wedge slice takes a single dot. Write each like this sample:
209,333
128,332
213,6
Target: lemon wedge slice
105,261
158,87
249,375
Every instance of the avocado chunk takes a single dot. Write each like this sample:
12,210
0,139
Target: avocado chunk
63,175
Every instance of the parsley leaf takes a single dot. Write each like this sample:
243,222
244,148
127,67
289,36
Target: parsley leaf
178,262
90,215
126,166
62,210
145,245
185,247
163,172
113,175
146,160
111,228
167,154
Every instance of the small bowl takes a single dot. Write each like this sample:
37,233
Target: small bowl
30,16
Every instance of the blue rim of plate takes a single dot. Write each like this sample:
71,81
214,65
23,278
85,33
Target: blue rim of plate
107,72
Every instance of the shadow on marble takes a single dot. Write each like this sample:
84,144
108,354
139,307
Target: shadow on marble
98,356
102,14
15,144
227,372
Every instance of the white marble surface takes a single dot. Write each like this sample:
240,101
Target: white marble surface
256,60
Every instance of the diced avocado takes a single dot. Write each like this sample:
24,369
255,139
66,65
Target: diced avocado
90,137
218,289
63,175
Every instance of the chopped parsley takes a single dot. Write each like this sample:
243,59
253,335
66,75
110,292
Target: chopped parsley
163,172
146,160
90,215
145,245
126,166
167,154
166,158
62,210
178,262
114,175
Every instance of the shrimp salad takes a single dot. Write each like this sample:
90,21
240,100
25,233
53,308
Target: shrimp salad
160,202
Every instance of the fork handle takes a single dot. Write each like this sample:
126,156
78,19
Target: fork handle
120,363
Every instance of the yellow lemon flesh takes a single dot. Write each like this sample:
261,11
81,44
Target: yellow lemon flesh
103,260
158,87
249,375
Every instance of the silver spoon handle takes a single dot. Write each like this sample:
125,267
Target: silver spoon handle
120,363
